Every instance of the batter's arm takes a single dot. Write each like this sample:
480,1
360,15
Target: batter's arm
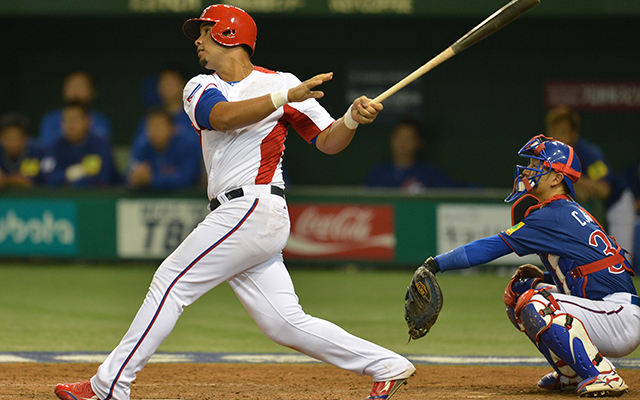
228,115
338,135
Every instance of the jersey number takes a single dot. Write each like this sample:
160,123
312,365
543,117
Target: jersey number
608,251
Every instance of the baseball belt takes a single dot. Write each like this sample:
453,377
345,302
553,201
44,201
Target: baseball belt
235,193
635,300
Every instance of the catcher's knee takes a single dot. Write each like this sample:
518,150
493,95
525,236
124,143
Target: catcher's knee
562,338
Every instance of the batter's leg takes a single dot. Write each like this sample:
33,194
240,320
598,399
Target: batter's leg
267,292
216,250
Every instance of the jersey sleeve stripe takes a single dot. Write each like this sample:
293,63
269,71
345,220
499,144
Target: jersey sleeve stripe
301,122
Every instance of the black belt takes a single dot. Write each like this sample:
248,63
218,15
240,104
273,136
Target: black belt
635,300
235,193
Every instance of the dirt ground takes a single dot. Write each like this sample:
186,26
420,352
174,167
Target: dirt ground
291,381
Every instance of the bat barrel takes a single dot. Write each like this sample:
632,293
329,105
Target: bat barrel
493,23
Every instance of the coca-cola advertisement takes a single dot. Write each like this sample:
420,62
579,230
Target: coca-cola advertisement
341,232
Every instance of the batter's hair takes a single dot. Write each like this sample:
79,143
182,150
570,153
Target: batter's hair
563,113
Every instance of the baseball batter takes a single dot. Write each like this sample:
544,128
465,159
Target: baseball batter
584,308
241,113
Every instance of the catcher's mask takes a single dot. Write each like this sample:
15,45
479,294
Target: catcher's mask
232,26
551,154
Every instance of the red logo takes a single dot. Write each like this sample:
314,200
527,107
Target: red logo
341,232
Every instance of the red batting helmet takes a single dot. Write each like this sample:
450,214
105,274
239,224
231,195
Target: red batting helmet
232,26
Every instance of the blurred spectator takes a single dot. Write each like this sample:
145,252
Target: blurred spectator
598,180
631,175
405,170
19,155
76,87
169,86
165,161
79,158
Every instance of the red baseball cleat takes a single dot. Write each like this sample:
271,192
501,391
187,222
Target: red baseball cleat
75,391
384,390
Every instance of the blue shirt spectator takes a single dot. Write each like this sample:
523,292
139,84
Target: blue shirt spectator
165,160
404,170
417,176
168,87
79,158
631,175
19,156
598,180
77,87
596,167
51,126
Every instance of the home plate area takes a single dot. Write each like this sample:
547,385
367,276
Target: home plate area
290,376
282,358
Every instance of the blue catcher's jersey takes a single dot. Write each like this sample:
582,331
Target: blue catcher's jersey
565,236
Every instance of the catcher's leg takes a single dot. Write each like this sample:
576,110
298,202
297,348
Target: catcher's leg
565,343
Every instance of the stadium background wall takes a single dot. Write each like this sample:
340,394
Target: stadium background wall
480,106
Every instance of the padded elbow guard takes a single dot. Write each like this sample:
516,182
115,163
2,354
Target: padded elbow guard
560,337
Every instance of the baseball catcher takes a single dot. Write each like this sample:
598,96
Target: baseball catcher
584,307
423,300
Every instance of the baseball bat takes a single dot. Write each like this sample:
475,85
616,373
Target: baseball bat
493,23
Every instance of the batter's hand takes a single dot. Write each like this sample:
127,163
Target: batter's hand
364,110
303,91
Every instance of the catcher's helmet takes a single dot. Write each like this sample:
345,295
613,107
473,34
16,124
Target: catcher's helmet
552,154
232,26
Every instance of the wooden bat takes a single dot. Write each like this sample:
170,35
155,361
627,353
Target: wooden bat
495,22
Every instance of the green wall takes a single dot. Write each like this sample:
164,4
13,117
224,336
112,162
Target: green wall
481,106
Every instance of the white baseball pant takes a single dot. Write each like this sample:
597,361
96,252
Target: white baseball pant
240,242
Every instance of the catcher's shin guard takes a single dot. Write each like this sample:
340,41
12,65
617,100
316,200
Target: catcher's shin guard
560,337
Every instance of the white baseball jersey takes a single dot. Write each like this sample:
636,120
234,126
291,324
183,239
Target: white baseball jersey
241,242
252,155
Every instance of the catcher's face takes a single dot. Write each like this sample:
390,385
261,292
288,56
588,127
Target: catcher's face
547,184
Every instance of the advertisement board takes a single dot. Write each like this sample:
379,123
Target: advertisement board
153,228
38,227
341,232
593,96
459,224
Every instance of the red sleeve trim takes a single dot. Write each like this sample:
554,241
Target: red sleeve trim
306,128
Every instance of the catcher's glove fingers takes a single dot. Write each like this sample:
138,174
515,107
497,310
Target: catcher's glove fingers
431,265
528,271
423,302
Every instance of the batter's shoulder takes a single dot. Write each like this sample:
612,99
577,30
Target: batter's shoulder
202,78
289,79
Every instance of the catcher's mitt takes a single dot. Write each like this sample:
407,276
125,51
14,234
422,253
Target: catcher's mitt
423,300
